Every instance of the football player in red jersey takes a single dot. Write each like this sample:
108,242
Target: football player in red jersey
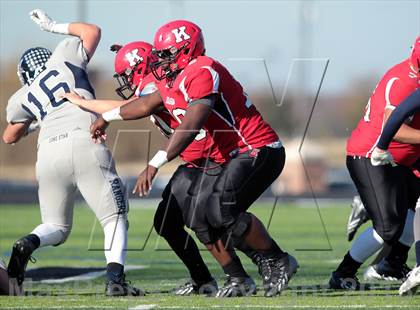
135,79
212,105
409,108
387,191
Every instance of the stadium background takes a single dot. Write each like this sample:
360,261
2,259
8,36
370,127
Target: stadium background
278,50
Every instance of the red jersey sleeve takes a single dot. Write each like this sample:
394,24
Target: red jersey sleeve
200,83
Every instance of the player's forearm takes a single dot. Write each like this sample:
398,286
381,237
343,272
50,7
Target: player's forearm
178,142
141,107
134,110
88,33
407,134
195,118
14,132
410,106
99,106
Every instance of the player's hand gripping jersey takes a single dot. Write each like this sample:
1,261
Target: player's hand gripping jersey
202,146
235,124
65,71
397,84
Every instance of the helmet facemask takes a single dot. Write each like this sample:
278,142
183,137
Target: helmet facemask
131,66
127,87
168,63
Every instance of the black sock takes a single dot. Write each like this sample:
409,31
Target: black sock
190,255
115,272
418,253
348,267
398,254
34,240
242,246
273,251
235,268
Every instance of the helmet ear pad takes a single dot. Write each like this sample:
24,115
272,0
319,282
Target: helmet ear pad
32,63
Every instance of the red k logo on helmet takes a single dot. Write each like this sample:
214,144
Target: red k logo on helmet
133,57
180,34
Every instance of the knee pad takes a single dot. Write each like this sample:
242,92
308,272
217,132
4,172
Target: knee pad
159,218
65,230
241,225
407,236
391,236
165,222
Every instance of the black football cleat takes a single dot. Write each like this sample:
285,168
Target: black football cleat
237,287
342,282
21,255
121,288
191,288
276,273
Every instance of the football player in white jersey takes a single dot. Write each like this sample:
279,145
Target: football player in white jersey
67,157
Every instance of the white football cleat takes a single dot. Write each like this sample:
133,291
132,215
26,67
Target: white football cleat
371,274
387,271
409,287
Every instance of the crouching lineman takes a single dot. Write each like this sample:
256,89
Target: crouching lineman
67,157
207,100
410,108
132,71
387,192
202,167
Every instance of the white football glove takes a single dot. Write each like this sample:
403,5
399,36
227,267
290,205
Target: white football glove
380,157
41,18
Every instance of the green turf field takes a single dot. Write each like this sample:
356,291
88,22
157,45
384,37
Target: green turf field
297,228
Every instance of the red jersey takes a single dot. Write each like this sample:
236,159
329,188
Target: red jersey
397,84
234,124
201,147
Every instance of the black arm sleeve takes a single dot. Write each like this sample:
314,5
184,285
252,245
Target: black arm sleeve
408,107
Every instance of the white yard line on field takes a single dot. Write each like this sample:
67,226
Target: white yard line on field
61,307
90,275
273,307
143,307
153,306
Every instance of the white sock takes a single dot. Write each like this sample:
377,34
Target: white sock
51,234
407,236
366,245
115,241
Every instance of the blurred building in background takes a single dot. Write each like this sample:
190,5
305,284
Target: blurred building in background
259,41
